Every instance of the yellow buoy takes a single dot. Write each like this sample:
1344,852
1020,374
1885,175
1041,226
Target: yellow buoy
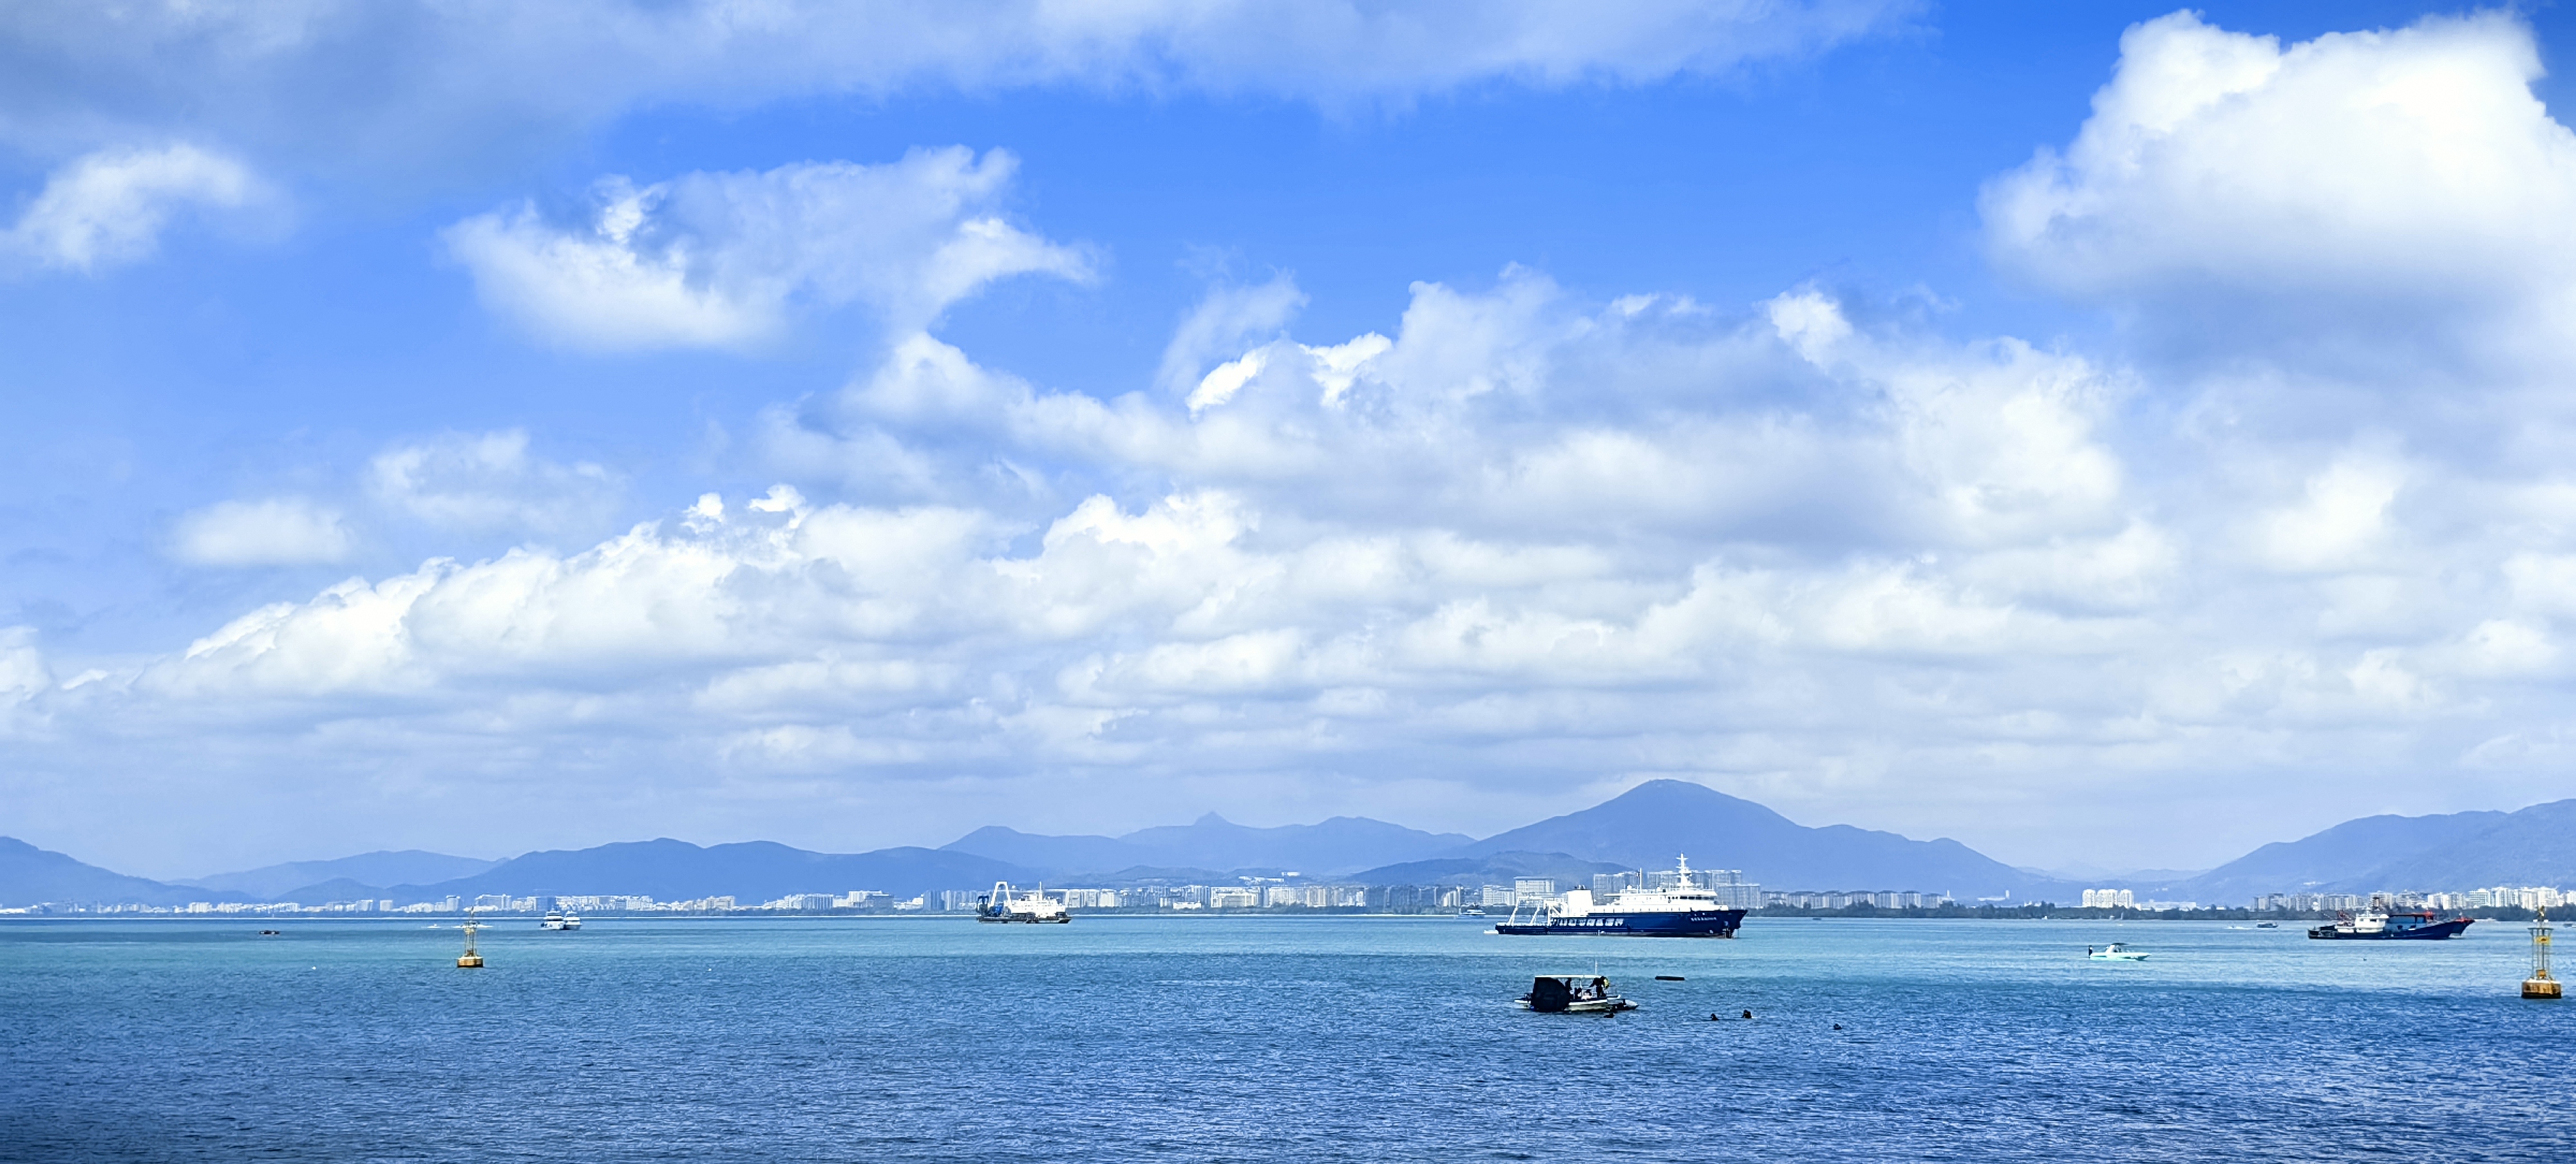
471,960
2540,984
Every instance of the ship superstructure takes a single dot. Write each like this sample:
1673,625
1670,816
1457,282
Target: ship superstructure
1680,907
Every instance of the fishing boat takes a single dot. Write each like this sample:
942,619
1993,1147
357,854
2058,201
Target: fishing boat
1572,994
2381,923
1004,904
1682,909
2115,952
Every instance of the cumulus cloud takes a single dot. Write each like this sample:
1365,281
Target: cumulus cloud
2237,185
277,531
725,259
1528,545
109,208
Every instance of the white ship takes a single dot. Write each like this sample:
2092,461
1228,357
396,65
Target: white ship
1005,905
1682,908
560,919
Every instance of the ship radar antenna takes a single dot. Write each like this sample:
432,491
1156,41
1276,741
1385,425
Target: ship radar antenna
2540,984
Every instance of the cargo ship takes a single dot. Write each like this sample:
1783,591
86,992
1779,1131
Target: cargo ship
1683,909
2379,922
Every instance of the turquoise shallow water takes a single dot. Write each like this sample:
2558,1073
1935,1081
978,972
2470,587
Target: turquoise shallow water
1337,1038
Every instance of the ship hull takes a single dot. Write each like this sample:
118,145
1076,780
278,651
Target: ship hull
2425,933
1697,923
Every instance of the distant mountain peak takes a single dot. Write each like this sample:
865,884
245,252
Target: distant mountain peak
1212,819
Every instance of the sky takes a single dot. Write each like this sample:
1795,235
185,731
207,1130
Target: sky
2109,435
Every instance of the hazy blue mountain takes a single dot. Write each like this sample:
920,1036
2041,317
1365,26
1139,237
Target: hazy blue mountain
32,876
2534,846
1491,869
752,871
336,889
1647,826
1339,845
2339,859
407,866
1055,856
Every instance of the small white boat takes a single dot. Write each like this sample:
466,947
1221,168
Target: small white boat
2115,952
1572,994
560,919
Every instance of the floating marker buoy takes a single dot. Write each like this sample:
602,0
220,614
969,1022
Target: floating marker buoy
471,960
2540,984
1668,978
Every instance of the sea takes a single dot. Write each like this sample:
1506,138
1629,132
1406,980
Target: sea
1332,1038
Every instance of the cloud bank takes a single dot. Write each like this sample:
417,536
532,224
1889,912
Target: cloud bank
1515,546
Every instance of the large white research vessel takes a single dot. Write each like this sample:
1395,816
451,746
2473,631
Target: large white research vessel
1680,908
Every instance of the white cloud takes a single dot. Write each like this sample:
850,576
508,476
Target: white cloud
453,83
2352,188
489,482
727,259
277,531
2341,520
23,673
1222,323
110,207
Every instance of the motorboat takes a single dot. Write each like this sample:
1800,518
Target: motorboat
1572,994
560,919
2115,952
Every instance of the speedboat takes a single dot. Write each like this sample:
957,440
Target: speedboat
2267,925
1572,994
2115,952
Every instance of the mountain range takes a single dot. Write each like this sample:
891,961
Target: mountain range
1646,827
1340,845
2461,850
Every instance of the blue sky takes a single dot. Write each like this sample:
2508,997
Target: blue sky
1286,410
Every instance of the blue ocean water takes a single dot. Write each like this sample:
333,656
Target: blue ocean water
1266,1038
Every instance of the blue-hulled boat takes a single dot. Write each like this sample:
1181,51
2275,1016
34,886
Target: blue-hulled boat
1683,909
